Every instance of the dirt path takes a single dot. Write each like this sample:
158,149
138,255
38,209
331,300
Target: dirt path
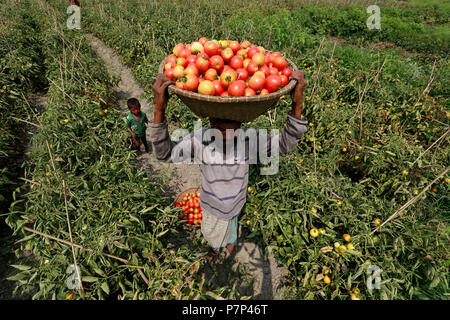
263,276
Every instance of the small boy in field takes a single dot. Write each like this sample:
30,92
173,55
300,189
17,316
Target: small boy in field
136,123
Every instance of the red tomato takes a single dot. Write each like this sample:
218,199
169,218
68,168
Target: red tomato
167,66
202,62
273,82
181,62
258,58
180,84
206,87
191,221
273,71
216,62
218,88
265,69
226,67
211,75
171,58
169,73
287,72
252,51
284,80
227,77
191,69
192,59
277,54
263,92
249,92
203,40
177,49
269,59
178,71
279,63
211,48
245,44
184,53
242,53
235,46
256,83
252,67
225,94
236,62
242,74
191,82
237,88
227,54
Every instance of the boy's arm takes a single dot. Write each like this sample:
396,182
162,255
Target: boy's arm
128,126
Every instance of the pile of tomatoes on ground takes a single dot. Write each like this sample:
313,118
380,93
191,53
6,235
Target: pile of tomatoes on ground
192,212
226,68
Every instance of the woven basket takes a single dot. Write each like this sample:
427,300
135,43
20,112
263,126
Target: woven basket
243,109
186,191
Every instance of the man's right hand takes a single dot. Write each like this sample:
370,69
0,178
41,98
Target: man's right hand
160,92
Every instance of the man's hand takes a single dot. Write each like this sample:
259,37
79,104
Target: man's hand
297,93
161,96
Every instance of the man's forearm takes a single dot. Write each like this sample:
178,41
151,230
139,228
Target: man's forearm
158,116
297,108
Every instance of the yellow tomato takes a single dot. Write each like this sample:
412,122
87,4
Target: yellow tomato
313,210
377,221
350,246
342,249
327,279
354,297
314,233
355,291
69,296
346,237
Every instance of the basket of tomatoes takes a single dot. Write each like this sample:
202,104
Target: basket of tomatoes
226,79
189,202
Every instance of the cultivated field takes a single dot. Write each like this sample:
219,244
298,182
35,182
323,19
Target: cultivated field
373,164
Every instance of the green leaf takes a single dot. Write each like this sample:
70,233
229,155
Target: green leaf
89,279
105,287
16,277
21,267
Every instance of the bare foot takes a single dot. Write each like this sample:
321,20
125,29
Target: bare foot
230,247
212,256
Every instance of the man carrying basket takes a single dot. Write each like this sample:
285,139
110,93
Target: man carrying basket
224,185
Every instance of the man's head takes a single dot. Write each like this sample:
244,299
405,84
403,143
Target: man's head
134,106
224,124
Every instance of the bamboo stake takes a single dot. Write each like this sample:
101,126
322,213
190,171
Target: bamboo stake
73,244
443,136
25,121
407,204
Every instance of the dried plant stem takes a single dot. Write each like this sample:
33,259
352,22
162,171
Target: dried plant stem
411,201
25,121
73,244
442,137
